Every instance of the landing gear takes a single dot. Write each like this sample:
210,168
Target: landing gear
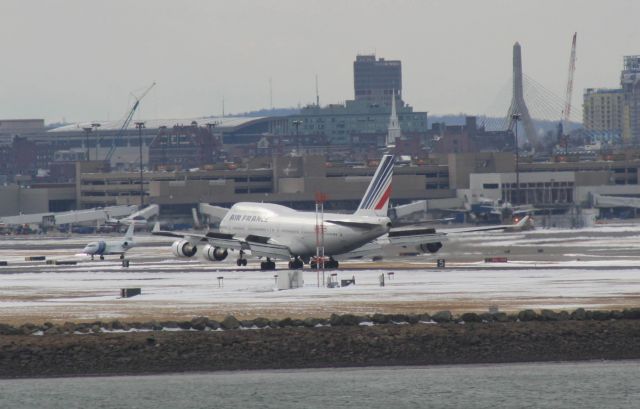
241,261
267,265
296,264
331,263
92,257
121,256
101,257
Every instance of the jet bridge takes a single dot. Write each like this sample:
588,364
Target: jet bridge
615,201
71,217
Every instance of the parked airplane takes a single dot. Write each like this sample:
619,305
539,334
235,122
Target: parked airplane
278,232
106,248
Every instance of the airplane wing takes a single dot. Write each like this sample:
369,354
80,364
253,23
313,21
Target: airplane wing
370,249
517,226
258,245
397,223
405,237
215,239
264,246
426,239
357,225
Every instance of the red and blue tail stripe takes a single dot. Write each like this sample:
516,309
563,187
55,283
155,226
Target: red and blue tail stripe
376,200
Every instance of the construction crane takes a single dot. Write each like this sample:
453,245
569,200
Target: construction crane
563,127
127,121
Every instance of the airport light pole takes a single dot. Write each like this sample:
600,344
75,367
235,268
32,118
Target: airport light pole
516,118
95,127
297,124
211,125
140,126
87,131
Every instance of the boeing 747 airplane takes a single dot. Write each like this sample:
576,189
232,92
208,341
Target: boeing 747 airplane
276,232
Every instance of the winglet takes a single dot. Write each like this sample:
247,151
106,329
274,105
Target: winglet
129,234
523,222
156,227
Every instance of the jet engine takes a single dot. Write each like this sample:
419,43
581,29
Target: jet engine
214,253
182,248
430,247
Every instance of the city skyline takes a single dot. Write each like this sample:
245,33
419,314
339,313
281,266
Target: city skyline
81,60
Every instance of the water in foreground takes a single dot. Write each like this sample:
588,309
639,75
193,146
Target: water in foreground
544,385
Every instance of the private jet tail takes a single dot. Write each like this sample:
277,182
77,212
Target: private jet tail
129,234
376,200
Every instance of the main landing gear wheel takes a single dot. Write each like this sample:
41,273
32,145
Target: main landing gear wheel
296,264
331,263
267,265
101,257
241,261
121,256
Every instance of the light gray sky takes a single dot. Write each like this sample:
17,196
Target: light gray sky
80,59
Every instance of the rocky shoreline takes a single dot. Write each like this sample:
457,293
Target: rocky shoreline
113,348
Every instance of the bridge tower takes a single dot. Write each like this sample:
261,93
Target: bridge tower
518,106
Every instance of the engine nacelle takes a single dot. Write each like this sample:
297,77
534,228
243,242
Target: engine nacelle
430,247
182,248
214,253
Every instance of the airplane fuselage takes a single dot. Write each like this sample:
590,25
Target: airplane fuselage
105,248
297,230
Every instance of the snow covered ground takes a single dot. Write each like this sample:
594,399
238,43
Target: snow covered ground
593,268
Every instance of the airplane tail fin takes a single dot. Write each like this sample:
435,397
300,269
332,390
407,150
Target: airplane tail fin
376,199
129,234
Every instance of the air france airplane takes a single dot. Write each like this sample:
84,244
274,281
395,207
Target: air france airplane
276,232
112,247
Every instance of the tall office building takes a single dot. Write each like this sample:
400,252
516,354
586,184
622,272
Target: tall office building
630,82
603,111
375,81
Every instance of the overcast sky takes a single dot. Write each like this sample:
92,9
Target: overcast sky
80,59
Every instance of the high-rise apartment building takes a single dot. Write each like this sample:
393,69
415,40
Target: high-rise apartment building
603,111
630,82
376,80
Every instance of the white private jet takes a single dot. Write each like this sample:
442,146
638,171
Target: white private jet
277,232
112,247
